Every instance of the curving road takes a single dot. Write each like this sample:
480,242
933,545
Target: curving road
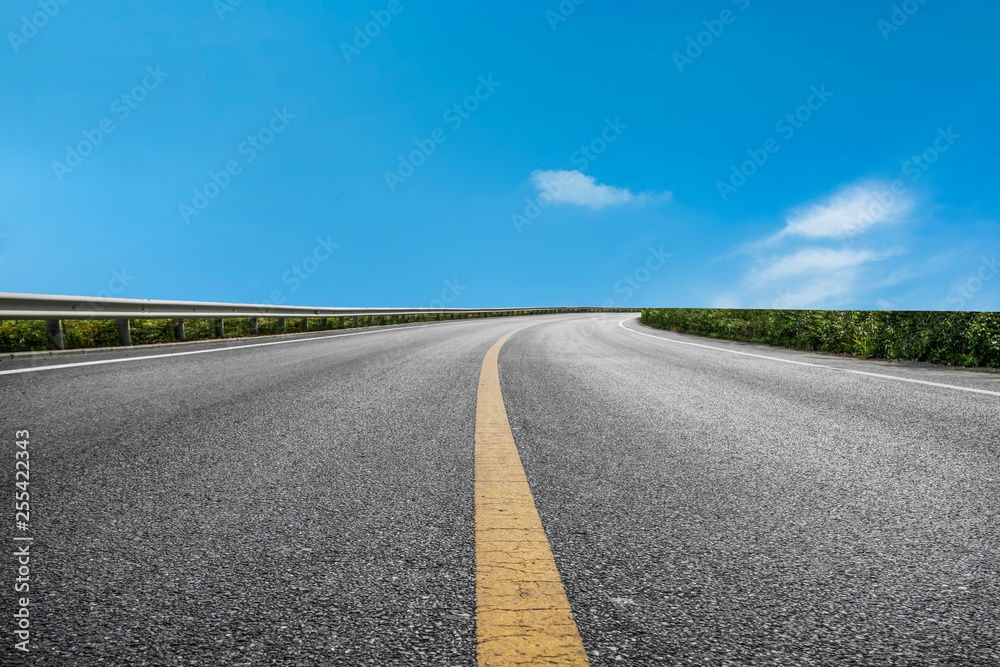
312,502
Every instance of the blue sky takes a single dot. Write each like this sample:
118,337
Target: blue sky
723,153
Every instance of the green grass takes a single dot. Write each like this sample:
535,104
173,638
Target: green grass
957,338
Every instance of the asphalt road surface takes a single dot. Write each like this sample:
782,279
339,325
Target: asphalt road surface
312,503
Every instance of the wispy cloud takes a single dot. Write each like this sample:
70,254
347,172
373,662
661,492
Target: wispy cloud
822,256
574,187
811,261
815,276
850,212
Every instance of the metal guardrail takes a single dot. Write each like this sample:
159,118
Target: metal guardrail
53,309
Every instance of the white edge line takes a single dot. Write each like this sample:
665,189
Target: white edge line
805,363
232,348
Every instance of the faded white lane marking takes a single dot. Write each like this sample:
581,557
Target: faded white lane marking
806,363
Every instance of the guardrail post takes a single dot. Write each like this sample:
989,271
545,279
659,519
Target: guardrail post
54,332
283,323
124,332
254,326
220,328
305,324
179,333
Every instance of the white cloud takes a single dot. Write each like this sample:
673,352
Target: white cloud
821,292
821,258
813,277
815,261
850,212
574,187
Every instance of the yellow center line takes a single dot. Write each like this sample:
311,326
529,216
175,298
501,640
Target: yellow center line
522,614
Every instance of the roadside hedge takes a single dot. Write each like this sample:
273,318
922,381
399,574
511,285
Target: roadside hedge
29,335
957,338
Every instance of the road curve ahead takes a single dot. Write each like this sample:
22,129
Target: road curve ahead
315,502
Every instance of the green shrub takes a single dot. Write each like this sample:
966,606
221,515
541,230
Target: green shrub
958,338
29,335
18,335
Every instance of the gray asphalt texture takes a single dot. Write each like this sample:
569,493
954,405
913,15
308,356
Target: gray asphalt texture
312,503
